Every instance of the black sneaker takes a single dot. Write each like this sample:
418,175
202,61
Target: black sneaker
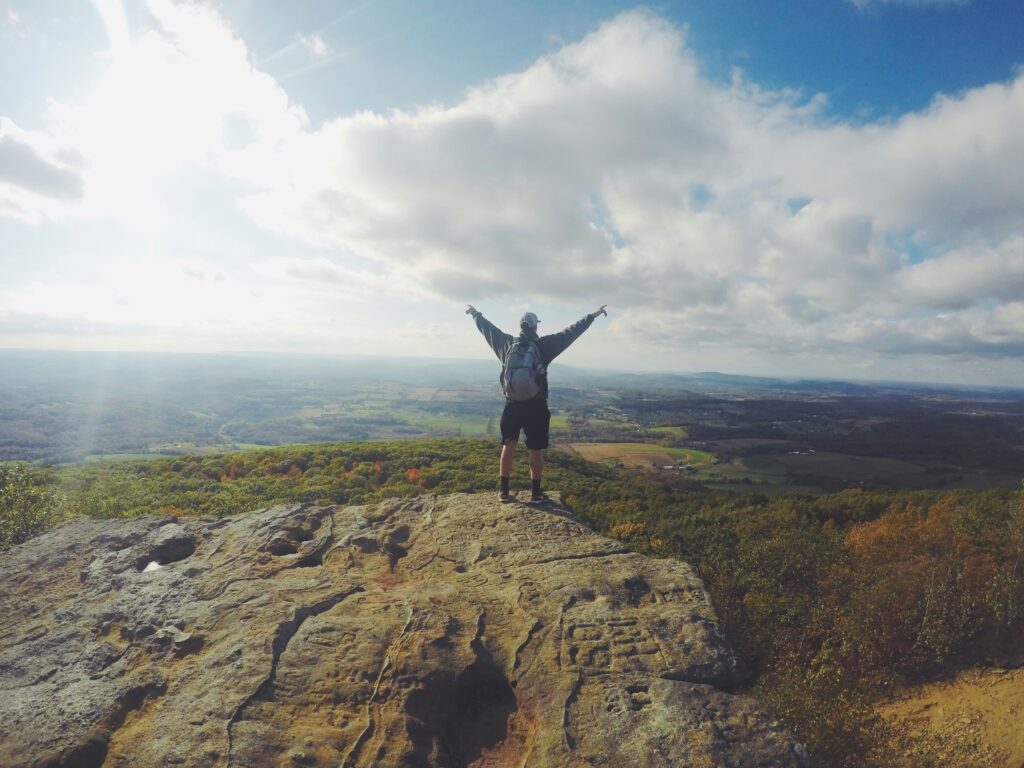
505,497
539,498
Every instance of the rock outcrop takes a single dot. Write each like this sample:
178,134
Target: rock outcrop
441,631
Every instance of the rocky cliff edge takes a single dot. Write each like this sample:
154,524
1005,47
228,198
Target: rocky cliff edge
448,631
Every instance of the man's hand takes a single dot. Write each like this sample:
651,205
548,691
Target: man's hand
600,311
470,309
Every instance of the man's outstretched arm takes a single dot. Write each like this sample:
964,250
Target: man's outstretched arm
496,338
557,343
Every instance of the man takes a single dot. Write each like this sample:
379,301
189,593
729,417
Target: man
530,415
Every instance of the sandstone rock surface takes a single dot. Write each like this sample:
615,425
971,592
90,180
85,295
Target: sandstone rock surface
441,631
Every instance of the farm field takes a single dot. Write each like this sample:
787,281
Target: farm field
559,421
643,455
465,425
846,468
814,471
95,458
679,433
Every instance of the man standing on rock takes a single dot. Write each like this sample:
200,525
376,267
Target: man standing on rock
524,380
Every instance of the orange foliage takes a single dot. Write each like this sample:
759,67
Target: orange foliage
921,586
635,534
627,531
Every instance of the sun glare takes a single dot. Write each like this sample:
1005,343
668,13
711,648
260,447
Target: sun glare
162,105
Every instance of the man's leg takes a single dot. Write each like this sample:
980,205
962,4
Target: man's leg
536,469
508,454
510,429
536,463
536,441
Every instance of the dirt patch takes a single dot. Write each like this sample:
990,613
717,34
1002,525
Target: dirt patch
971,720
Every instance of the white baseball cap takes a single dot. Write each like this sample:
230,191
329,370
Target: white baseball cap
529,319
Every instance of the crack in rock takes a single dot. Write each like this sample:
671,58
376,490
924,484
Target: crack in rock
285,632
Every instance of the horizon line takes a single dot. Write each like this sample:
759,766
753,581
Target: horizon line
641,373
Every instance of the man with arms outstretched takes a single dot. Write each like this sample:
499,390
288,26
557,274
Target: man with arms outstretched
524,380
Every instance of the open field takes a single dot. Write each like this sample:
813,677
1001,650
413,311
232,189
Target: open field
820,471
559,421
608,423
645,455
679,433
467,426
94,458
746,444
422,393
434,421
845,468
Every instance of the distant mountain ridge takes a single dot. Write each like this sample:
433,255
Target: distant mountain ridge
40,366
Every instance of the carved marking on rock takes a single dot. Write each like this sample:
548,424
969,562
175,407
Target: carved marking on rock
599,646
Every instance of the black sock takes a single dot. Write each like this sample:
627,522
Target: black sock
504,485
535,486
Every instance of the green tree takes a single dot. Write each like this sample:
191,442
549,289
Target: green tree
27,508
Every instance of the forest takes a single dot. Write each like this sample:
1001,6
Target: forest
832,601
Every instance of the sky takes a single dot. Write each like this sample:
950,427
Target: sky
824,188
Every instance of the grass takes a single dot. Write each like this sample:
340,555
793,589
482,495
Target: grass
642,454
677,432
422,393
609,423
467,425
768,489
97,458
787,470
191,449
837,466
315,412
171,450
559,421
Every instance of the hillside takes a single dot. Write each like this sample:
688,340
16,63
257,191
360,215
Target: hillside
833,602
437,631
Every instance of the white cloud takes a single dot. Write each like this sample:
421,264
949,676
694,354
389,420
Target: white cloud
15,22
966,277
317,48
176,96
115,23
313,274
709,216
574,180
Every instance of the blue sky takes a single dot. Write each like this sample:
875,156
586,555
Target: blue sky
810,187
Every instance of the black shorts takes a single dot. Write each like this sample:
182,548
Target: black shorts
530,416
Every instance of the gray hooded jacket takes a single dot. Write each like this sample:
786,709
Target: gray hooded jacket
551,346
